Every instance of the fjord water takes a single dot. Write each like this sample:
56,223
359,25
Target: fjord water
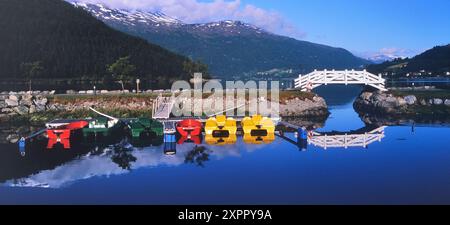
408,166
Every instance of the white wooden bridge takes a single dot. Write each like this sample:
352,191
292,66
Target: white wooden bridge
318,78
346,140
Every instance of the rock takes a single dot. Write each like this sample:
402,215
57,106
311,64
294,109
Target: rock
41,102
7,110
52,92
366,95
410,99
104,92
14,97
3,105
27,100
13,138
4,97
70,92
32,109
45,93
423,102
447,102
21,110
82,92
11,102
438,101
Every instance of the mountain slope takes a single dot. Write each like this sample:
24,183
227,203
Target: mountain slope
71,43
435,61
228,47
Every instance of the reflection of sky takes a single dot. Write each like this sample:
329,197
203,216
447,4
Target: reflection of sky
336,123
90,166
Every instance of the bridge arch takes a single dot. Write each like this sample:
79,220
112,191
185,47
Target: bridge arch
346,77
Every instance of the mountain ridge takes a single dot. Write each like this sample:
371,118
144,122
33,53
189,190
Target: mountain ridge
233,48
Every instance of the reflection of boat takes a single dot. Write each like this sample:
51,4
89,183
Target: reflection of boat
212,140
63,129
170,144
189,127
220,125
258,125
102,126
143,126
52,143
193,139
269,138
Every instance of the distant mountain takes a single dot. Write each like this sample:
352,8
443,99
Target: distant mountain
381,58
435,61
70,43
229,48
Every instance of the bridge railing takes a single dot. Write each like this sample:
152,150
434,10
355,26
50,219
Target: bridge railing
319,78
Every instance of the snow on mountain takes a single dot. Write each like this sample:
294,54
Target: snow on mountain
153,20
127,17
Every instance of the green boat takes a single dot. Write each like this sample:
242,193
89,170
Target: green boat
102,126
143,126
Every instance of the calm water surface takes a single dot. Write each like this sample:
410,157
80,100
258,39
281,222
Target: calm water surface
405,166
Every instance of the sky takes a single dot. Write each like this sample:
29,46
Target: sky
364,27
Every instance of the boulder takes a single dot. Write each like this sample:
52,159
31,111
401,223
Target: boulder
90,92
32,109
410,99
14,97
6,110
3,104
11,102
13,138
41,102
104,91
52,92
447,102
21,110
423,102
4,97
27,100
438,101
70,92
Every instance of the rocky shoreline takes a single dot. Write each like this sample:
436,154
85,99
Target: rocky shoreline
30,105
408,106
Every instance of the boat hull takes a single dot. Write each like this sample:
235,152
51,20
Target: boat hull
221,126
189,128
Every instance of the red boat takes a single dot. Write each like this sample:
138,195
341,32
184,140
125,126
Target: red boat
62,129
189,127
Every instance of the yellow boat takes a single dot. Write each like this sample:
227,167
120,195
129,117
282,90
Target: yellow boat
258,125
220,126
211,140
249,139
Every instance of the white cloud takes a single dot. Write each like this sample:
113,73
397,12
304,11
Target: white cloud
389,53
195,11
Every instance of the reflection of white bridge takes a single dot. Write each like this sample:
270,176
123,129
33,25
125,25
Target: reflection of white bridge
346,140
319,78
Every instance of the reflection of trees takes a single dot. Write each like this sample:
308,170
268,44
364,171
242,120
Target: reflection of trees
199,155
122,156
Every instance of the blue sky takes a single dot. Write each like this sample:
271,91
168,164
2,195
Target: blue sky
403,26
365,27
